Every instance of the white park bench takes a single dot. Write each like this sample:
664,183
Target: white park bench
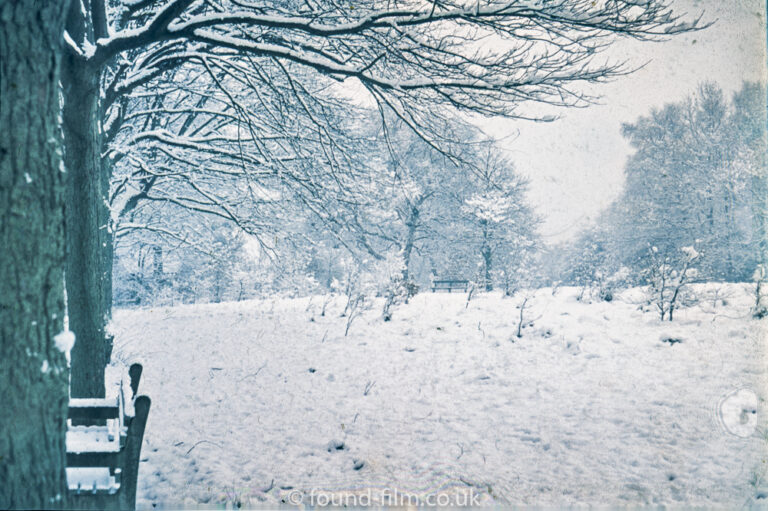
104,438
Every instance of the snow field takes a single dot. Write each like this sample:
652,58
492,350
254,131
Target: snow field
255,400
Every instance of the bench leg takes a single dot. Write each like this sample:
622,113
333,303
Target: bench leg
132,453
134,374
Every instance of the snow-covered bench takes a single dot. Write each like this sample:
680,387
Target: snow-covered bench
450,285
104,439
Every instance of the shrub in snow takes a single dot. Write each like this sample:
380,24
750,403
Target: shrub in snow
667,279
593,267
613,282
394,284
350,285
358,283
604,284
355,307
148,270
519,271
522,317
383,278
524,305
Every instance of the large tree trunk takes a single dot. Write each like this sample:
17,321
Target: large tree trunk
33,372
89,242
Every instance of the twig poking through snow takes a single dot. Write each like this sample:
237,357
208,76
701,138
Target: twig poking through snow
355,308
520,324
202,442
269,488
253,374
469,295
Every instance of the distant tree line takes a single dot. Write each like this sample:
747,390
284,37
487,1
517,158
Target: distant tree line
696,179
455,211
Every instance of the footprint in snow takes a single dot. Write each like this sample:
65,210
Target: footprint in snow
335,445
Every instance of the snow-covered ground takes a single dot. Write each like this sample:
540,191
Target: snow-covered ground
258,401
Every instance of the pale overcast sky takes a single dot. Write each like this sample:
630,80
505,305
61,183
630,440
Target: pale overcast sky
576,163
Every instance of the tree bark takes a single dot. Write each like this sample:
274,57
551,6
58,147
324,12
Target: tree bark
487,256
487,264
33,371
412,224
89,242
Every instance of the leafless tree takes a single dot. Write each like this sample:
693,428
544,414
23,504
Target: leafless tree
414,57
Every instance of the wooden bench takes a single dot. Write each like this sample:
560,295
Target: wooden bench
450,285
104,438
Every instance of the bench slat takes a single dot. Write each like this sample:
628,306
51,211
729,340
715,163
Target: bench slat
85,478
103,412
94,459
94,438
104,408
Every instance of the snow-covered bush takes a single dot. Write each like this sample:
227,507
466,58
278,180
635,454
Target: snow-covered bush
150,270
606,283
667,279
356,285
519,271
391,283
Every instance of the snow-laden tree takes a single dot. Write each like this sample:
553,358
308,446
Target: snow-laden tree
668,276
593,262
695,176
432,206
412,194
749,121
216,265
235,154
495,226
414,57
177,172
33,367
